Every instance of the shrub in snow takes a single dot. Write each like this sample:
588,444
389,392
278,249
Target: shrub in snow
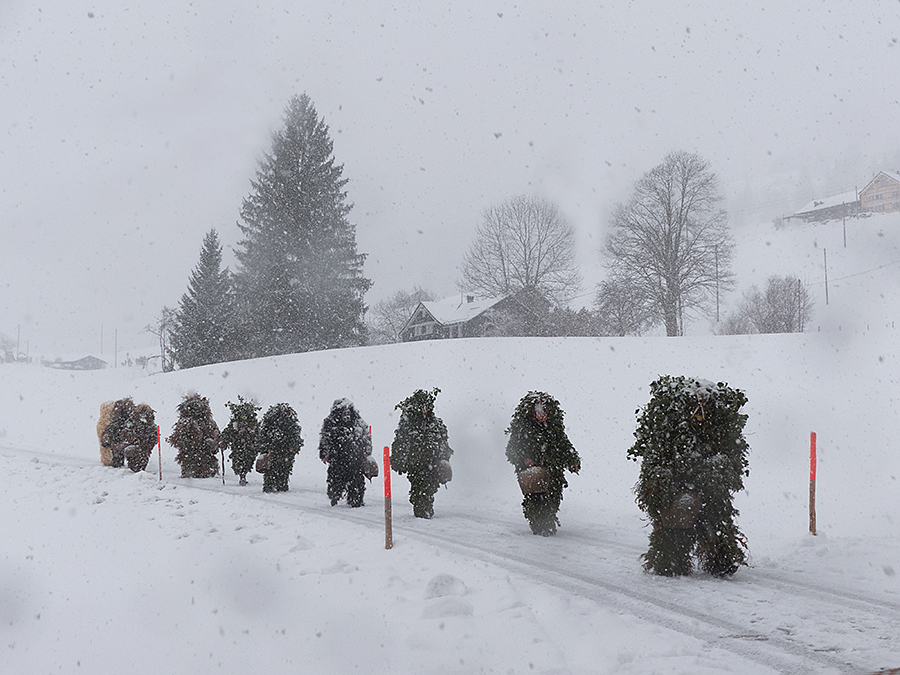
240,436
345,445
540,451
279,439
421,450
693,455
196,437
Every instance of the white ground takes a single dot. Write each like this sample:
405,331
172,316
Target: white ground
106,571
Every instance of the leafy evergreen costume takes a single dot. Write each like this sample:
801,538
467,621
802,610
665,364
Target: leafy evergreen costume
240,436
279,437
694,457
420,446
537,438
142,437
196,437
117,435
344,444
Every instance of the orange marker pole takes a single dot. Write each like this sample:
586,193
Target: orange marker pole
812,482
159,444
388,529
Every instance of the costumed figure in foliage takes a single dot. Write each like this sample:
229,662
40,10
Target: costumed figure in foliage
142,437
196,437
693,455
279,440
421,450
240,436
541,452
346,447
127,434
116,436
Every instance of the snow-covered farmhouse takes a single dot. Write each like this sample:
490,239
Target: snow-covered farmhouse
882,194
470,316
839,206
89,362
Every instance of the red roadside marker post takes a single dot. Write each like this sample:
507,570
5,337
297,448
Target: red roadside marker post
388,530
159,445
812,482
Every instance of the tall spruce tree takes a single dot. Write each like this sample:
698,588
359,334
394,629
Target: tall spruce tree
204,321
300,279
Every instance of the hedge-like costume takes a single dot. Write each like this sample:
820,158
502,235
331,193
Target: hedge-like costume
117,435
142,437
421,450
240,436
693,455
279,438
127,434
537,438
196,437
344,444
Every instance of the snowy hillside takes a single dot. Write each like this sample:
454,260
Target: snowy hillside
107,571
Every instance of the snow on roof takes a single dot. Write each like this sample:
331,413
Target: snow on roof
457,309
828,202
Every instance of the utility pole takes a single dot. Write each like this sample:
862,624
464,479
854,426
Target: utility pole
717,283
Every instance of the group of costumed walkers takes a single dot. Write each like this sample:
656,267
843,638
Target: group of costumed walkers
689,439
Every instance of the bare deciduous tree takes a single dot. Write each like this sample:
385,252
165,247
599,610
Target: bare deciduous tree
784,307
621,309
523,243
671,240
162,329
387,317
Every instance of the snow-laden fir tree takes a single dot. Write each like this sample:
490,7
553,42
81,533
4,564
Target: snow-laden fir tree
239,436
279,439
344,444
693,455
196,437
204,322
538,443
300,281
421,450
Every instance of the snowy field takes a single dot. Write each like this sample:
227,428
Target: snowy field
106,571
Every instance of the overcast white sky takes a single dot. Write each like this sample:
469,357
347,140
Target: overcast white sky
126,133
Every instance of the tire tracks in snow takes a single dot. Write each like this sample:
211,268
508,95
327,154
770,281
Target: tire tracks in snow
580,566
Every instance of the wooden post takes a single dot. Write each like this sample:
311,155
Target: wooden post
222,450
812,482
388,528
